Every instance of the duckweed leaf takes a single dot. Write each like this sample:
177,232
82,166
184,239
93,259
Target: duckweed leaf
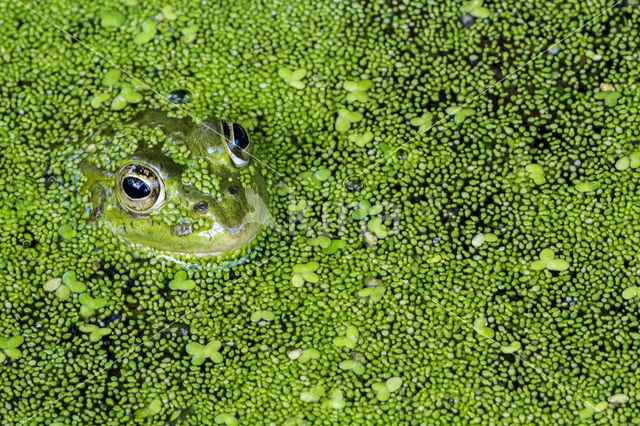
334,246
460,113
308,355
153,408
63,292
293,77
111,19
313,394
381,391
95,333
356,366
586,186
111,77
610,98
623,163
201,352
262,315
226,419
475,8
361,139
346,118
558,265
304,272
180,282
549,261
376,226
335,400
631,292
513,347
393,383
52,284
322,174
99,99
349,340
69,279
423,123
480,326
189,33
373,293
66,231
618,399
147,33
536,172
321,241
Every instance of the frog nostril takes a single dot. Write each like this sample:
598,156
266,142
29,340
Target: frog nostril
201,207
233,190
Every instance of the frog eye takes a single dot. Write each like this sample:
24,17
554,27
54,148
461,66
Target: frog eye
140,188
237,143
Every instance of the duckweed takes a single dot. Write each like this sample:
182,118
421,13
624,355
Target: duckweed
95,332
9,347
200,352
576,330
294,78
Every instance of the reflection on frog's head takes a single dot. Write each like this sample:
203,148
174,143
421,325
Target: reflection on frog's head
177,186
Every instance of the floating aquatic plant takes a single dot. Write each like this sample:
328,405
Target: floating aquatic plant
304,272
147,32
350,364
383,390
335,400
199,353
111,19
479,239
423,123
346,118
511,348
89,305
262,315
294,78
150,410
350,338
95,332
632,160
631,292
480,326
66,231
361,139
63,287
313,394
549,261
180,282
357,90
610,98
226,419
9,347
460,113
475,8
536,172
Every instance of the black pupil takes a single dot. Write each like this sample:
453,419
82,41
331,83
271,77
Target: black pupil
241,140
135,188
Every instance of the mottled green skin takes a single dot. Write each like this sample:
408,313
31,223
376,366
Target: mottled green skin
231,220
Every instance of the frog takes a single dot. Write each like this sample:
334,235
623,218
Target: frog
176,185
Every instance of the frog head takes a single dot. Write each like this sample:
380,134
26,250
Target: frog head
177,186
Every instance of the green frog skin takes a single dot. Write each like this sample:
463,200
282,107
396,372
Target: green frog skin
206,200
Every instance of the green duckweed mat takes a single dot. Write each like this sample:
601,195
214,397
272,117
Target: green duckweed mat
455,214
